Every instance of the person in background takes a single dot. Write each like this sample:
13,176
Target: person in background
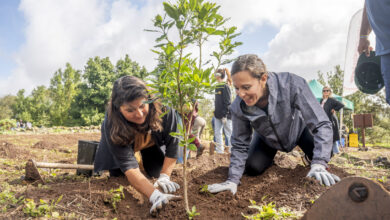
133,124
197,126
274,111
376,16
344,135
223,131
330,105
221,112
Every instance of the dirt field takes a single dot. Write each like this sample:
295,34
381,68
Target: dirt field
90,198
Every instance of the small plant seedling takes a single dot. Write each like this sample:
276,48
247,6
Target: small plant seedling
44,209
192,213
8,199
115,196
204,188
268,211
383,179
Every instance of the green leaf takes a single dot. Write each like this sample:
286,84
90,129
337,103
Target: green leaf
192,147
219,32
202,13
171,11
158,20
180,24
193,4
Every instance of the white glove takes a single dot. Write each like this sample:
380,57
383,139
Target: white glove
166,184
224,120
319,172
159,199
219,187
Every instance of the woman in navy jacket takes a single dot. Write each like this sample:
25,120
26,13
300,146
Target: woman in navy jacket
274,112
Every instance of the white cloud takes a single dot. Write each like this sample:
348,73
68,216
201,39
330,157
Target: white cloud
72,31
312,34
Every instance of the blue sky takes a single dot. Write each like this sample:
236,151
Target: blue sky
11,37
37,37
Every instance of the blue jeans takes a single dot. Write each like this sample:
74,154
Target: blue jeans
213,126
385,69
335,147
227,128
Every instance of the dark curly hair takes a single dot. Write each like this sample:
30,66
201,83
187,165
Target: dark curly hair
127,89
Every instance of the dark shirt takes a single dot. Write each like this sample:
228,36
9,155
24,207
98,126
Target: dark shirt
113,156
222,102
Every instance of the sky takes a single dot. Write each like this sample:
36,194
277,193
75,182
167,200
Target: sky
38,37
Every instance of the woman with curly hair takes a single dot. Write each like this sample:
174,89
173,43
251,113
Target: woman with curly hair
133,124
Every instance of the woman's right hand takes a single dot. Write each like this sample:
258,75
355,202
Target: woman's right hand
219,187
159,199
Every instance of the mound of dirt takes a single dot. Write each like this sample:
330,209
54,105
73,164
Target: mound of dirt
45,145
8,150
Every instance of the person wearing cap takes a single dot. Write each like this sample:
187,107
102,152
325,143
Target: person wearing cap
274,112
133,125
221,112
376,17
330,105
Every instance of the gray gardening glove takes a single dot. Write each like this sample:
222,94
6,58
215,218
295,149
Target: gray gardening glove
219,187
319,172
166,184
224,120
159,199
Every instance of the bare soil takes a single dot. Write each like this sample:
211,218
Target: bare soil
283,183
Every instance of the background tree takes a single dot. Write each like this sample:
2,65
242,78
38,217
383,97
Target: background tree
63,90
21,107
95,89
127,67
89,105
6,104
39,106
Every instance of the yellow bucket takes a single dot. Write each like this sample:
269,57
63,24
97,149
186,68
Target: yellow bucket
353,140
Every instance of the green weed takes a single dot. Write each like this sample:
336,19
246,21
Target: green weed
268,211
192,213
383,179
115,196
44,209
8,199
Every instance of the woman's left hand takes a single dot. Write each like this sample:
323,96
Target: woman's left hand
166,184
319,172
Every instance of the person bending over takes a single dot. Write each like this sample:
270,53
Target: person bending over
132,124
274,111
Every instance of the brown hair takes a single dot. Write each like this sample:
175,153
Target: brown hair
226,72
127,89
251,63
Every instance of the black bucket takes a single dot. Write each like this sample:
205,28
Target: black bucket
86,155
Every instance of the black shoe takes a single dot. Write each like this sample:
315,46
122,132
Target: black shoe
199,150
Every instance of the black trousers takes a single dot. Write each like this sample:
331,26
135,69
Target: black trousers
261,156
152,160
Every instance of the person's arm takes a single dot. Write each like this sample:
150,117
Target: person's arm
365,30
139,182
316,120
240,139
337,105
168,165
